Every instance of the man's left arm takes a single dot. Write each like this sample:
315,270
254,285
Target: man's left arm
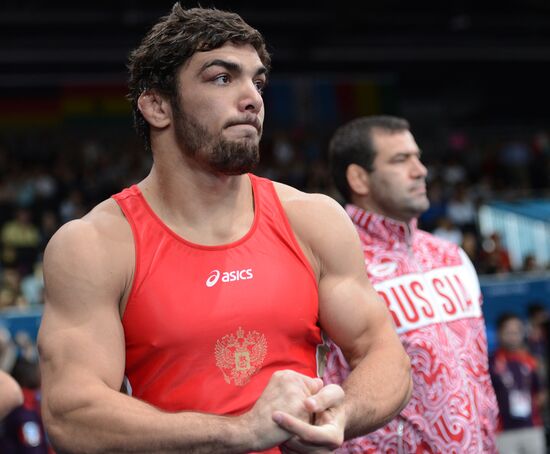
357,320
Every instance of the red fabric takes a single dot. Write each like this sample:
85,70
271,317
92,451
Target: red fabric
207,326
31,399
433,295
519,356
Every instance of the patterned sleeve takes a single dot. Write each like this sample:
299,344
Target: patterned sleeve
336,368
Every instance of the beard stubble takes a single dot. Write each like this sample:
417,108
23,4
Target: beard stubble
219,155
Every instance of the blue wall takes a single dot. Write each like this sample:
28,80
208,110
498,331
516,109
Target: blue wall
512,293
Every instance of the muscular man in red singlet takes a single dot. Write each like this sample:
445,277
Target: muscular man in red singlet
203,289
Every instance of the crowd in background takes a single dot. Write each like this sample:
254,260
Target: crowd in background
48,179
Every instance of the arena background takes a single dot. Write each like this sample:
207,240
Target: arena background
471,77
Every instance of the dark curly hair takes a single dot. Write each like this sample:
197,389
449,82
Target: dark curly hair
172,41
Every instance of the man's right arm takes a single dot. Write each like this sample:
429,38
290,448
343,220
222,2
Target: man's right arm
81,343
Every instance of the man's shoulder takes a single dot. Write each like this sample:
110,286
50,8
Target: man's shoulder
101,228
99,246
103,217
311,213
292,198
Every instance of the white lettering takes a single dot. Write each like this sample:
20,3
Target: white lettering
441,295
228,276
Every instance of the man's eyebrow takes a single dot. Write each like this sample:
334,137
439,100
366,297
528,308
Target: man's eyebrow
408,153
230,66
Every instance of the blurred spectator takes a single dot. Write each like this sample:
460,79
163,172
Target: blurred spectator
45,187
518,389
530,264
27,349
494,257
461,209
454,172
23,431
537,335
470,245
32,286
448,231
20,241
514,159
26,191
8,350
483,189
73,206
49,223
10,289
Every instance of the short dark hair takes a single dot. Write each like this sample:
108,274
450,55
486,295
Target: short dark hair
505,318
352,143
154,64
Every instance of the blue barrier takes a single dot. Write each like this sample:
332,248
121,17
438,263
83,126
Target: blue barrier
512,293
22,320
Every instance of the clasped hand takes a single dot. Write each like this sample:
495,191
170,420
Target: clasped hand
306,416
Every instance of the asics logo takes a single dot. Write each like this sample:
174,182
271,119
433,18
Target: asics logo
212,278
228,276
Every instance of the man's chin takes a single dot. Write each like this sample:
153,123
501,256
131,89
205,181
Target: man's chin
417,207
234,157
235,172
245,142
422,208
235,168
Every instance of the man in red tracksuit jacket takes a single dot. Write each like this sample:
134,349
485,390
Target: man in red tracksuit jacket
430,288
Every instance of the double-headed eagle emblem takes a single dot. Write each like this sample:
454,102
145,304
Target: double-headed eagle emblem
240,355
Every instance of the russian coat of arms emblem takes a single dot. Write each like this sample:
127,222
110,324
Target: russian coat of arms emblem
239,356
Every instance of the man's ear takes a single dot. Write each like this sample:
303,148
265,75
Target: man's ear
358,179
155,109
